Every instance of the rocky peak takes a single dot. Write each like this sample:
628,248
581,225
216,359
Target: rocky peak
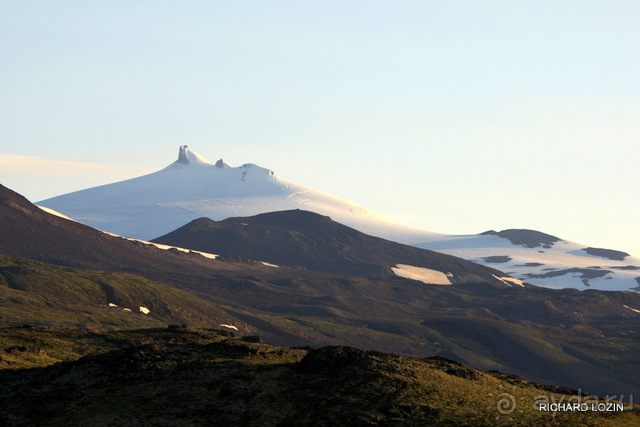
183,155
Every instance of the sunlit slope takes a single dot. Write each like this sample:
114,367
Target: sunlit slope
153,205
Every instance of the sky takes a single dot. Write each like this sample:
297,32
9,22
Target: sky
456,117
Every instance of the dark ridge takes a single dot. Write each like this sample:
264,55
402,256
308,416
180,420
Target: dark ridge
182,155
526,238
497,259
316,242
585,273
607,253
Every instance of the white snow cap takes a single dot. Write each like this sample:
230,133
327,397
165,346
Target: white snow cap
149,206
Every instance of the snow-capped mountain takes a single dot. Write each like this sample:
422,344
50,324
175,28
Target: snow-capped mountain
152,205
545,260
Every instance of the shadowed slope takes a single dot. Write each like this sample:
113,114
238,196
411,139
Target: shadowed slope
317,243
37,293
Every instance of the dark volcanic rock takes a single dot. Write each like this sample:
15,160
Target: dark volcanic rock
530,264
585,273
526,238
337,358
497,259
627,267
607,253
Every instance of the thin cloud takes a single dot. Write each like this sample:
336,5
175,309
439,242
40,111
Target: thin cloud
14,165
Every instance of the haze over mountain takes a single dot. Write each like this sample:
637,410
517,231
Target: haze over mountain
150,206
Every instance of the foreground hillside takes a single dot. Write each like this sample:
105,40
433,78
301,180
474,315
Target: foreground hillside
178,376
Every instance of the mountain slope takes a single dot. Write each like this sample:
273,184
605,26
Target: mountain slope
30,232
303,238
37,293
586,340
152,205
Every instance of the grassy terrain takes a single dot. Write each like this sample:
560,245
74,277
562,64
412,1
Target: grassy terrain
202,377
38,293
592,350
586,340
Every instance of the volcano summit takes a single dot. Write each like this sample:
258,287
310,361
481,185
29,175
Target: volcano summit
152,205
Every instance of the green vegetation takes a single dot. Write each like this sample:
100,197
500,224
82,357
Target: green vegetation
484,327
38,293
180,376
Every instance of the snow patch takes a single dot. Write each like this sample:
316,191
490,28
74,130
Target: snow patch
425,275
56,213
164,247
126,309
112,304
206,255
228,326
626,306
510,280
269,265
144,310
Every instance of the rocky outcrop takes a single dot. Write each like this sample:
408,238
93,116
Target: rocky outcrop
182,155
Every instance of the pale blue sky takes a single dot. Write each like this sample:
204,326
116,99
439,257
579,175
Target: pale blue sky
457,116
